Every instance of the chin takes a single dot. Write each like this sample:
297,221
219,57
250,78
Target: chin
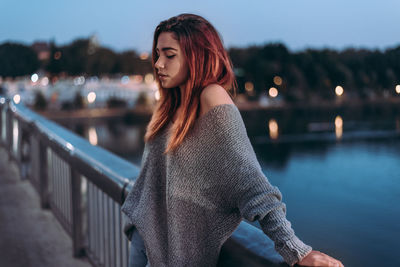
168,86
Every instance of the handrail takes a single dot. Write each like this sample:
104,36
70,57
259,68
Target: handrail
85,186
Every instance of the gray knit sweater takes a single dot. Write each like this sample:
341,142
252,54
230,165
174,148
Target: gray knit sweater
187,203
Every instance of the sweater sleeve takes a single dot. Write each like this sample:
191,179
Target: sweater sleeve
242,180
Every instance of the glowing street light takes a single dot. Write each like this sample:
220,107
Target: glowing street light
398,88
273,92
339,90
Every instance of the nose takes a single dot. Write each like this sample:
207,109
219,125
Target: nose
159,63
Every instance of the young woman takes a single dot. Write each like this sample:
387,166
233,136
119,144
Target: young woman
200,176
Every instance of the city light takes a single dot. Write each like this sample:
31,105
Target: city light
278,80
91,97
273,92
273,129
79,80
34,77
249,86
45,81
157,95
338,127
398,89
17,98
144,56
125,79
137,78
148,78
339,90
92,135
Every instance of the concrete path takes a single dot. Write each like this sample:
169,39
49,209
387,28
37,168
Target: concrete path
29,235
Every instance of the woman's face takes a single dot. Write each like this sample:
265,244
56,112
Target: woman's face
171,65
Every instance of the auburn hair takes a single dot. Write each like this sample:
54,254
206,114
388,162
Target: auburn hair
208,63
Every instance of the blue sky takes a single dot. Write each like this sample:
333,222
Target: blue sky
127,24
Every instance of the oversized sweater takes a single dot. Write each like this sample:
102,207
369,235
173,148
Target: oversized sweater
187,203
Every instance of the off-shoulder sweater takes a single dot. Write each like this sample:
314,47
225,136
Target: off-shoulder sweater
187,203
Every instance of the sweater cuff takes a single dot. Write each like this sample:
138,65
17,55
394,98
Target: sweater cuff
293,250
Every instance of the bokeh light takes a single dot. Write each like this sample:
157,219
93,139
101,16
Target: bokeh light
148,78
339,90
34,77
157,95
273,129
144,56
278,80
398,89
249,86
125,79
273,92
338,127
91,97
45,81
79,80
93,135
137,78
17,98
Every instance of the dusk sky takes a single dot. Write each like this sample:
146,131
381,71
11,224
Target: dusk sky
124,24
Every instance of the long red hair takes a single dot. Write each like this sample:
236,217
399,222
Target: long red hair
208,63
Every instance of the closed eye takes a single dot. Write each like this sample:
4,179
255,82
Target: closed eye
170,56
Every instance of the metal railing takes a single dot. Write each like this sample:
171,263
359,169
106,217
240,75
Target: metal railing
85,186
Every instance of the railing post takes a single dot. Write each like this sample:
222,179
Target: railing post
43,176
9,131
78,240
18,145
2,106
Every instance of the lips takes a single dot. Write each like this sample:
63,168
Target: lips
162,76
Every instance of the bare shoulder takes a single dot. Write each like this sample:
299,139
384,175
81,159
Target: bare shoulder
213,95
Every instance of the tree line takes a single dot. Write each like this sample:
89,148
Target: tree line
303,75
81,57
315,73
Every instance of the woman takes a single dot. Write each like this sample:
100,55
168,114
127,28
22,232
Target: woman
200,176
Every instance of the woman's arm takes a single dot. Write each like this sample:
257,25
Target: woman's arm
256,198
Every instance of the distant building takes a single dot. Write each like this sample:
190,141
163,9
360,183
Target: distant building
42,50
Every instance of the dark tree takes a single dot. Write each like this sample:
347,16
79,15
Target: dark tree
17,60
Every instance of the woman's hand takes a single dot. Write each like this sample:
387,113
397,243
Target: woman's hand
316,258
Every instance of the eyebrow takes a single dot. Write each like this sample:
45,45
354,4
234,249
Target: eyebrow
166,49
